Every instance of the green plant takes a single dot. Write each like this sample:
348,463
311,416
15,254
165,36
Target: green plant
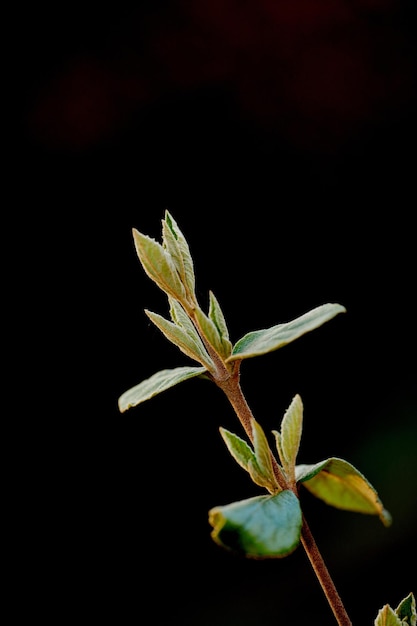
266,526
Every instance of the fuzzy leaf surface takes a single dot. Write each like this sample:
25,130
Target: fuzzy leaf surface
158,265
258,467
177,246
406,610
218,319
189,343
291,429
340,484
260,527
263,457
156,384
260,342
238,448
387,617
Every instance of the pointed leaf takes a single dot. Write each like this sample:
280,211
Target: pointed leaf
262,341
340,484
246,458
238,448
406,610
217,317
156,384
180,318
260,527
177,246
158,265
263,457
186,343
209,330
387,617
291,429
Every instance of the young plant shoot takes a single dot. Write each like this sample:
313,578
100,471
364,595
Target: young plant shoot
271,525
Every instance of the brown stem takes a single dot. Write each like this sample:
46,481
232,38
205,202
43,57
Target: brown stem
233,391
323,576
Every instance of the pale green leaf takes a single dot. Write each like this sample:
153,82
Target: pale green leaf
278,442
387,617
156,384
262,341
177,246
158,265
263,457
180,318
340,484
217,317
209,330
185,342
246,458
261,527
238,448
291,429
406,610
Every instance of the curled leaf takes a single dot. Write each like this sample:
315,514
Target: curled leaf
340,484
260,527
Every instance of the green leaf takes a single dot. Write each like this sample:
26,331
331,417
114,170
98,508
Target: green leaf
291,429
340,484
406,611
217,317
185,342
156,384
262,341
263,458
210,331
158,265
258,464
260,527
180,318
177,246
387,617
238,448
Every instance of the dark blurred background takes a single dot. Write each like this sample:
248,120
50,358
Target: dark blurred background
281,136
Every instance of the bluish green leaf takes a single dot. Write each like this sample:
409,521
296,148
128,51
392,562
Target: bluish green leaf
156,384
262,341
261,527
340,484
406,611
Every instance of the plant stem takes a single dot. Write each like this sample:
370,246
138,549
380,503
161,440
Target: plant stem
233,391
323,576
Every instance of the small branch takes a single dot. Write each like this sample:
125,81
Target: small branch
323,576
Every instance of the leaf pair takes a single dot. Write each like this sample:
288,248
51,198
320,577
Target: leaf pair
184,335
404,615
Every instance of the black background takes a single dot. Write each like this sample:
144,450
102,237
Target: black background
281,137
